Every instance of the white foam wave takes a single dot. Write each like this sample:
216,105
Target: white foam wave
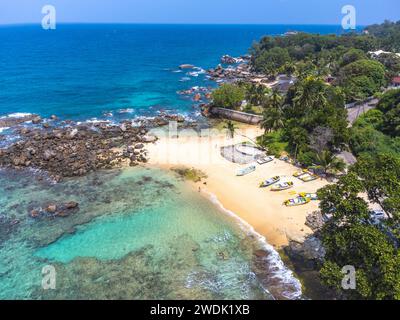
16,115
281,272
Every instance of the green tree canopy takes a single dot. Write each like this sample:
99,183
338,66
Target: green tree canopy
228,96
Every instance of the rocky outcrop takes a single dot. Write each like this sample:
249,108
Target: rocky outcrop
315,221
308,254
77,149
15,120
227,59
52,210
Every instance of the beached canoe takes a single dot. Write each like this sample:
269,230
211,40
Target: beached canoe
300,173
311,196
246,170
269,182
265,160
308,177
282,186
296,201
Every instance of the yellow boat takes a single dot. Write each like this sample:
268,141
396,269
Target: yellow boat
308,177
300,173
296,201
311,196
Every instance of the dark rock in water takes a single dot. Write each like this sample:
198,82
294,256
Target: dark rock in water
13,121
36,120
186,66
76,150
71,205
309,254
55,210
7,226
52,208
34,213
261,253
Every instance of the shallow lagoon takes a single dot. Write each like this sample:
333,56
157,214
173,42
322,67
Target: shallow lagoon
139,234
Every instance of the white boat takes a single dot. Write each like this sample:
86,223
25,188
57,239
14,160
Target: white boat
265,160
269,182
246,170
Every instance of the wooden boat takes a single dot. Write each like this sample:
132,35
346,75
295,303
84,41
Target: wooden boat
308,177
311,196
265,160
300,173
246,170
269,182
282,186
296,201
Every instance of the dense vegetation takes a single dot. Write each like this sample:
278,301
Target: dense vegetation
346,58
350,237
310,123
378,130
388,35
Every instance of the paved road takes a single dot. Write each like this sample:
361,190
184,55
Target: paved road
354,112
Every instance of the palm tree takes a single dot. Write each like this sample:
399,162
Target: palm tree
230,126
274,100
272,119
256,94
329,162
310,93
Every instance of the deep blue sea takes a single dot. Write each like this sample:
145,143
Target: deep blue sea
84,71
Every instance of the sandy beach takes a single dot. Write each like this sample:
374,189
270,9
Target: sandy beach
260,207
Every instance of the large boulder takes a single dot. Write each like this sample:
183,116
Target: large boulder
308,254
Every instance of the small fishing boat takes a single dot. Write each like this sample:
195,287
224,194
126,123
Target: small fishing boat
300,173
308,177
296,201
282,186
246,170
265,160
269,182
311,196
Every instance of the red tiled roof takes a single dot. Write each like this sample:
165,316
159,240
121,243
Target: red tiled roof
396,80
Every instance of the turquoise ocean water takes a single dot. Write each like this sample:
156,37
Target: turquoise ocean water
140,233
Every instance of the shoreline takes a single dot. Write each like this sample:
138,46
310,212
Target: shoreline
262,209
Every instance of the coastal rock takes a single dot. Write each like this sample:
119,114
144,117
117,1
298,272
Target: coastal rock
77,149
315,221
149,139
227,59
71,205
52,208
186,66
12,121
309,254
36,120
